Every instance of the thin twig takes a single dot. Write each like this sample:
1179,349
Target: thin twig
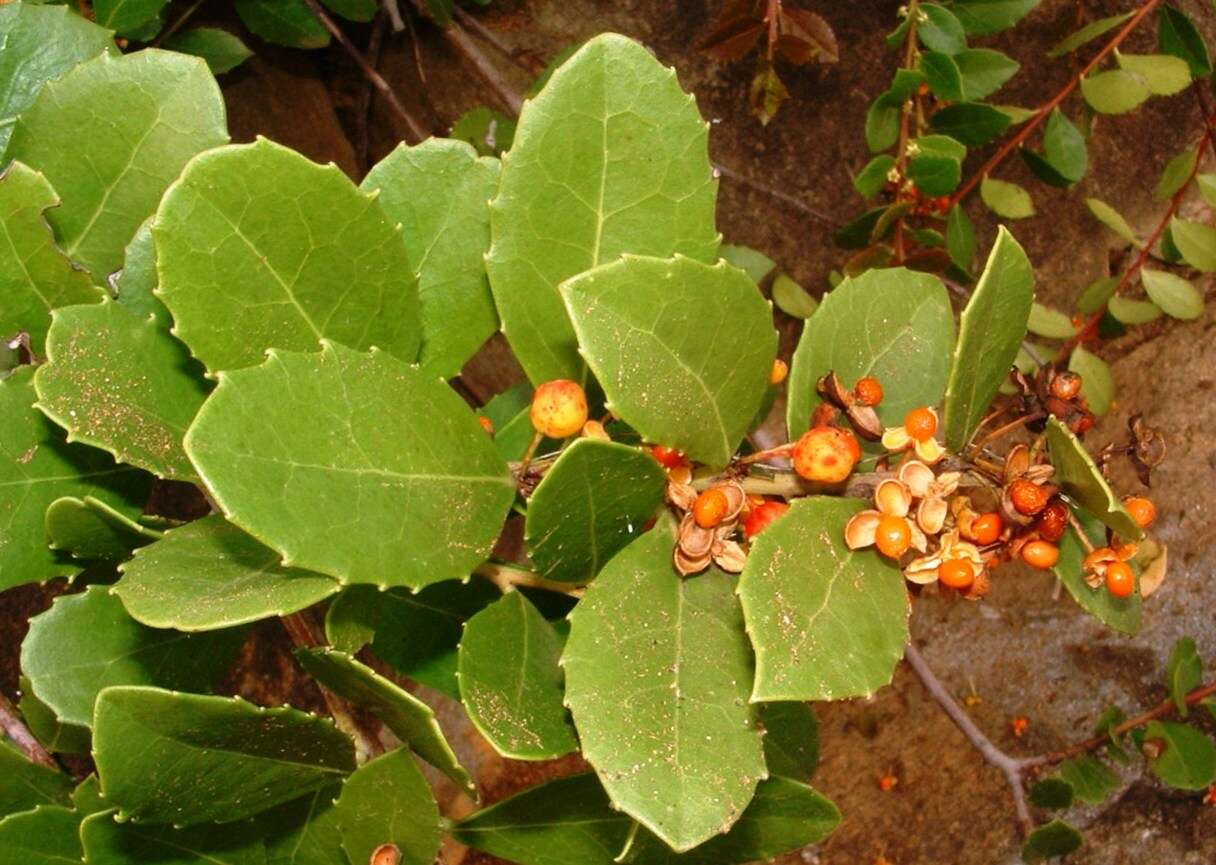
523,59
784,198
463,44
508,578
20,735
416,130
168,32
363,109
394,14
905,111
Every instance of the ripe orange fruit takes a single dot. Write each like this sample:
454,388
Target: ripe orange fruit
710,508
1040,554
668,458
1028,497
921,424
956,574
1052,521
868,391
986,528
826,454
1143,510
486,424
761,516
1120,581
893,536
779,371
559,408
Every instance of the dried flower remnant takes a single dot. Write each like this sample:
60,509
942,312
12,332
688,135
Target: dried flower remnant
886,526
917,433
860,414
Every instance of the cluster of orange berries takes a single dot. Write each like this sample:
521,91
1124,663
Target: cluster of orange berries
827,453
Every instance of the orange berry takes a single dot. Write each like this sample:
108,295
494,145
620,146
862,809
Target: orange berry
868,391
887,783
779,371
986,528
1120,581
486,424
1143,510
559,408
668,458
826,454
1019,726
1040,554
761,516
1052,521
710,508
893,536
921,424
956,574
1028,497
1065,385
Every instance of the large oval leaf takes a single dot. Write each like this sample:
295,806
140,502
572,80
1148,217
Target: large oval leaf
143,116
28,785
354,465
827,622
257,248
589,506
611,157
657,675
209,574
209,759
388,801
45,836
682,349
306,831
895,325
990,332
1081,480
108,842
510,681
438,192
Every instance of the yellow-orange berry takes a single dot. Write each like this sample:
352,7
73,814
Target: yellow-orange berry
956,574
1120,581
1028,497
668,458
559,408
868,391
1143,510
779,371
826,454
1065,385
986,528
1040,554
710,508
920,424
486,424
887,783
893,536
761,516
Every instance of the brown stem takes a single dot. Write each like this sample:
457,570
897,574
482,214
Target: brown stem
1047,107
1082,536
783,197
905,111
508,578
20,735
394,14
1007,428
463,45
363,110
416,130
168,32
778,451
522,59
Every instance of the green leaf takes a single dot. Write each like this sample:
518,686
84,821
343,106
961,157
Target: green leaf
410,719
1128,311
136,19
938,30
882,122
1050,840
856,233
791,739
35,277
41,42
1112,219
1178,36
1081,480
1196,242
354,10
1188,758
985,17
983,70
45,836
56,737
1064,158
893,324
1089,32
870,180
208,574
1207,187
305,831
610,158
1175,175
108,842
754,263
437,192
791,298
1006,199
1097,382
88,528
25,785
972,123
510,413
991,331
87,642
1115,91
1122,614
1176,296
222,51
650,651
136,281
264,756
490,132
1162,74
252,244
121,384
1049,323
144,115
283,22
590,504
934,173
827,622
943,75
387,801
510,681
37,468
960,237
396,484
1091,780
1183,672
1097,294
1051,793
697,390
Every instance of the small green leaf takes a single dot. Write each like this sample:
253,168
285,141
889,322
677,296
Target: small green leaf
1178,36
983,71
1176,296
1127,310
88,528
1051,793
985,17
1006,199
1063,150
791,739
826,622
1081,480
48,835
791,298
1115,91
108,842
1091,780
209,574
943,76
136,282
1090,31
388,801
1162,74
510,681
222,51
1050,840
972,123
871,179
27,785
960,237
882,122
304,831
856,233
1097,382
938,30
136,19
1207,188
1112,219
1188,758
354,10
283,22
710,386
590,504
490,132
990,333
1183,672
1049,323
56,737
674,652
1175,174
1196,242
409,718
935,174
753,262
264,756
1097,294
